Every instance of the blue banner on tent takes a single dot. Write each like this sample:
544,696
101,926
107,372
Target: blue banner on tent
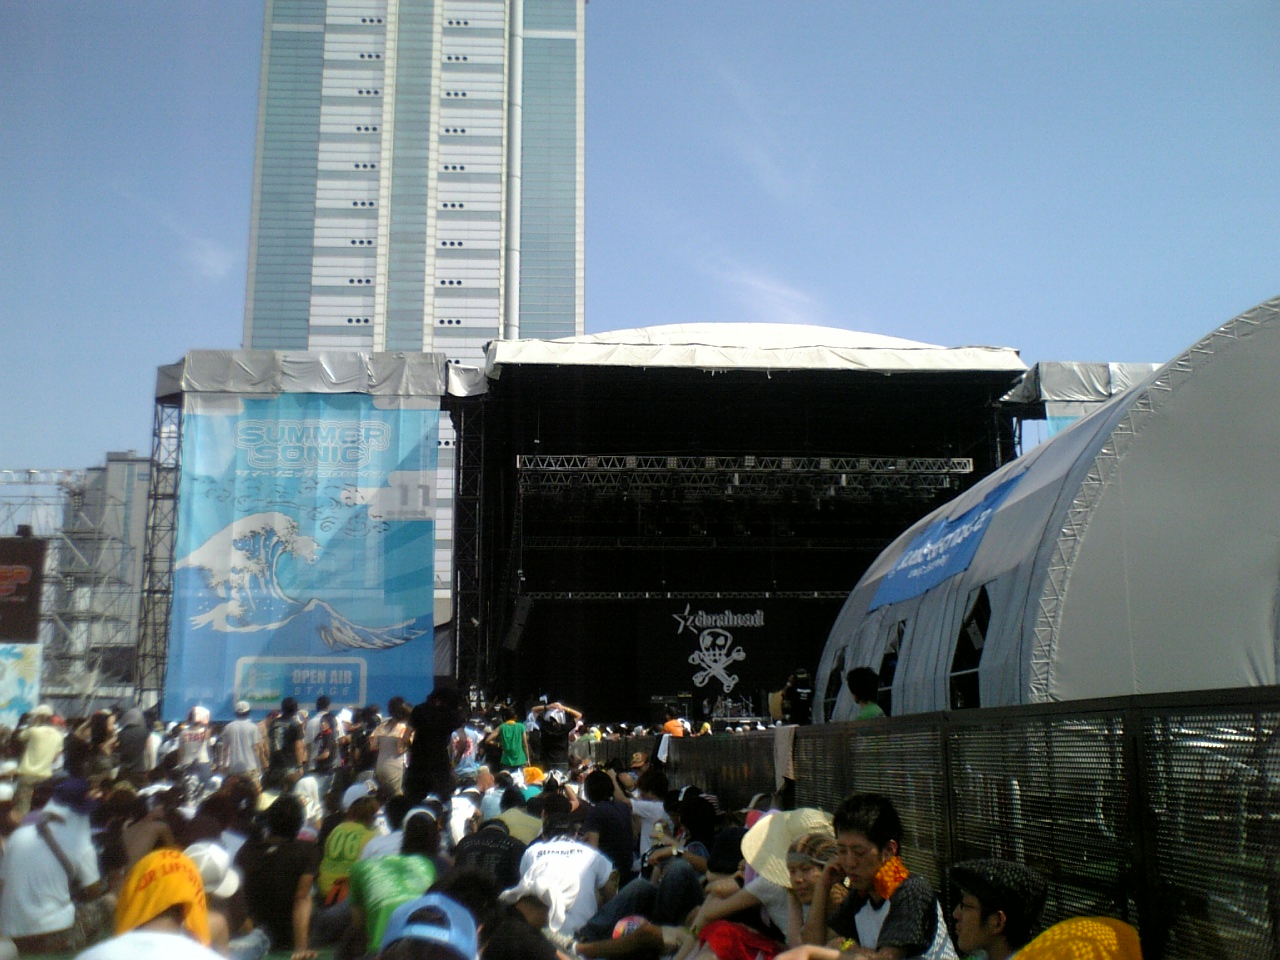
304,551
941,550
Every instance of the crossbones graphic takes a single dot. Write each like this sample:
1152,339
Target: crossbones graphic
714,657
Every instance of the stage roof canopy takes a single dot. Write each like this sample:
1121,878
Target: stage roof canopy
1135,552
750,346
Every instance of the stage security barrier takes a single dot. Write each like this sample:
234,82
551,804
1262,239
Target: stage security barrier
1163,811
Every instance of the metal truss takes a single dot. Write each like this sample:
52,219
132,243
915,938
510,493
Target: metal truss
591,595
157,568
471,631
666,543
748,477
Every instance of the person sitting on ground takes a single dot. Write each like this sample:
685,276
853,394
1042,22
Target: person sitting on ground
433,927
998,906
342,848
231,932
493,850
144,830
381,885
279,871
864,684
891,913
1085,938
608,823
576,877
522,825
504,932
162,913
386,844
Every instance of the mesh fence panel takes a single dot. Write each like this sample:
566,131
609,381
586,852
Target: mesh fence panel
733,767
1213,806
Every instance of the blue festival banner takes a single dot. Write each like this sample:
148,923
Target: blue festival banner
941,550
303,561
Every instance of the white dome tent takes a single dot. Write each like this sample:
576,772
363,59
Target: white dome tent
1136,552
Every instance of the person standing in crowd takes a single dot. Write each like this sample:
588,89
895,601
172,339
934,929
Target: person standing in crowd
52,897
286,746
514,741
42,744
193,742
393,738
131,747
864,684
555,723
890,912
312,725
998,906
430,764
241,747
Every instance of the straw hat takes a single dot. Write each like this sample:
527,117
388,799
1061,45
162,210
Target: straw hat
765,845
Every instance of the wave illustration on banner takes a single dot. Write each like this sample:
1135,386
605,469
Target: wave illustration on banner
233,585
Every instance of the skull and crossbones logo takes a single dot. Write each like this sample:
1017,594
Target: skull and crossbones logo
715,654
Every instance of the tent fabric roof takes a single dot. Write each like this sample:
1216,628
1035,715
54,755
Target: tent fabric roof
750,346
1136,553
270,372
1066,382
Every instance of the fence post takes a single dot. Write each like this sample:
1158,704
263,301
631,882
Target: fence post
1143,878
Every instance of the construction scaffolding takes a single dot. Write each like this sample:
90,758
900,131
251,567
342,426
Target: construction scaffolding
157,570
89,599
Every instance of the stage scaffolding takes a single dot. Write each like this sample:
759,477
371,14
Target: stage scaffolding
157,572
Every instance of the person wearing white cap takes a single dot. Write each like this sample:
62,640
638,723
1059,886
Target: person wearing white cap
221,882
242,749
43,744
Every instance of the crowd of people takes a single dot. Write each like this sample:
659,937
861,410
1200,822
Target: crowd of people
427,834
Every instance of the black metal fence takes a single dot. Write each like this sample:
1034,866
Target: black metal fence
1163,811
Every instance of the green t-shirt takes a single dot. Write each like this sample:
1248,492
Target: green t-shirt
512,734
381,884
341,850
870,712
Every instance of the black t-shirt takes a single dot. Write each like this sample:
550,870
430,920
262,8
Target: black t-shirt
493,851
612,820
271,870
910,925
282,738
555,740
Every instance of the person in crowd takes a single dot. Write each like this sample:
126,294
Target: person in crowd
491,800
131,747
864,684
324,746
513,739
42,745
392,738
286,747
493,850
555,723
464,753
386,844
433,921
231,932
522,825
997,906
342,848
144,830
241,748
279,871
52,897
162,913
433,722
890,913
608,823
648,810
380,885
777,897
194,759
671,724
311,726
576,877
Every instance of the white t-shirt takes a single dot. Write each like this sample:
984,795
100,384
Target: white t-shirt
647,812
383,845
36,897
572,873
149,945
773,899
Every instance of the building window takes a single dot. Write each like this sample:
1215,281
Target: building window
965,691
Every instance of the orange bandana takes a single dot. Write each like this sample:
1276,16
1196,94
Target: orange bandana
889,877
160,880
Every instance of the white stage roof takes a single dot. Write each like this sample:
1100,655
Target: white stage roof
750,346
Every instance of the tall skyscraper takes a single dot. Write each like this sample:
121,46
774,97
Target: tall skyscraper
419,175
418,184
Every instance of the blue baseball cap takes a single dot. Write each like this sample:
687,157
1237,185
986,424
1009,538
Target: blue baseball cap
455,927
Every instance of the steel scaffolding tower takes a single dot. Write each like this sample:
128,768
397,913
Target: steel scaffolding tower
157,570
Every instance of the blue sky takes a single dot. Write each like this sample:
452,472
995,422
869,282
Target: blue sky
1080,180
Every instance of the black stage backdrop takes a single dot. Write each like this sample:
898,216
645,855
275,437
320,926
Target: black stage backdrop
619,661
21,574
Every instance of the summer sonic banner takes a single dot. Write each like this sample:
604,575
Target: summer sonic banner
303,554
941,550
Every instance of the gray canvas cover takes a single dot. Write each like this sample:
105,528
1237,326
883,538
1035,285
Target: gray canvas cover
1139,552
